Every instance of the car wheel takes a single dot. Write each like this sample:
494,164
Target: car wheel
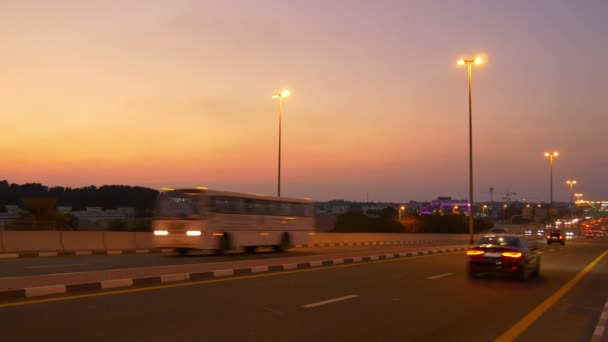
285,243
522,275
183,251
223,245
537,269
472,274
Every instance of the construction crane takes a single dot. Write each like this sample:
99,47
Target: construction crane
507,195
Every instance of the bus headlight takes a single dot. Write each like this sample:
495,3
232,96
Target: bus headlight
193,233
161,232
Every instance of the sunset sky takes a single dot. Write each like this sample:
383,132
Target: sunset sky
178,93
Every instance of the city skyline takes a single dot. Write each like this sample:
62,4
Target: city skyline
175,94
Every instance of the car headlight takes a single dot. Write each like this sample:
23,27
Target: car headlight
161,232
193,233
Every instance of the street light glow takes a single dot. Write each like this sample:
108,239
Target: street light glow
461,62
284,93
478,60
552,154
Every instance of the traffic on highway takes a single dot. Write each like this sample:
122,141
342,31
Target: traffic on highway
373,290
303,171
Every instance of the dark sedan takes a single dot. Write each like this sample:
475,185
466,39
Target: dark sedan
508,254
556,237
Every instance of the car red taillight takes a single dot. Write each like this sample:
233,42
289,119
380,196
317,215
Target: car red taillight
475,252
511,254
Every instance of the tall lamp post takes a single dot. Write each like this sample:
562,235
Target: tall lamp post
401,209
551,155
571,184
469,63
280,96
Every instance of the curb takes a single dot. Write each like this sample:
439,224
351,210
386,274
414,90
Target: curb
406,242
601,329
122,283
169,250
81,253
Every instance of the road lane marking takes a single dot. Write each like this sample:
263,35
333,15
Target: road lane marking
439,276
523,324
210,281
329,301
598,332
58,265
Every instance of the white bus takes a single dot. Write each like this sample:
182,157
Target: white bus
199,218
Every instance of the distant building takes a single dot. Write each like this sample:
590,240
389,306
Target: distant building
445,206
93,218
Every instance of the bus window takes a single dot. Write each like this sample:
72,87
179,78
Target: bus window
261,207
286,209
179,204
220,204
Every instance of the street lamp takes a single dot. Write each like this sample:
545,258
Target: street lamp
578,197
551,155
571,184
469,63
280,96
401,209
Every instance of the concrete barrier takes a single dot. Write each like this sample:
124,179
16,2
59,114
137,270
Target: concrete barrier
82,241
328,238
31,241
144,240
55,241
119,240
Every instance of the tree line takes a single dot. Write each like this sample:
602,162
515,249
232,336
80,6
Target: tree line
386,221
142,199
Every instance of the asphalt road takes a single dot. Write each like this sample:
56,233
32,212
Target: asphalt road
70,264
425,298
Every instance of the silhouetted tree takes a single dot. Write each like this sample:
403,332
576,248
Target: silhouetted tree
141,199
41,214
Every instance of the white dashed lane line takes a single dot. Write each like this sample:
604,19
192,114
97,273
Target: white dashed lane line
329,301
439,276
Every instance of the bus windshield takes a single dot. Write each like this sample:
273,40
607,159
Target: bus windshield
179,204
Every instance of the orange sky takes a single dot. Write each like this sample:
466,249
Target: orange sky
179,93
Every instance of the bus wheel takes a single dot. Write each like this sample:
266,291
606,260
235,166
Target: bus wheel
285,243
250,249
183,251
223,245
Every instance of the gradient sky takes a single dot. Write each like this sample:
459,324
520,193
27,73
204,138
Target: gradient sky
178,93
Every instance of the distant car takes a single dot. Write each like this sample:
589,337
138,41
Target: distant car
540,232
498,231
589,234
556,237
599,234
506,254
569,235
528,232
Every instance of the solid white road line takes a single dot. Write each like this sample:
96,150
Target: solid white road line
329,301
600,328
439,276
58,265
